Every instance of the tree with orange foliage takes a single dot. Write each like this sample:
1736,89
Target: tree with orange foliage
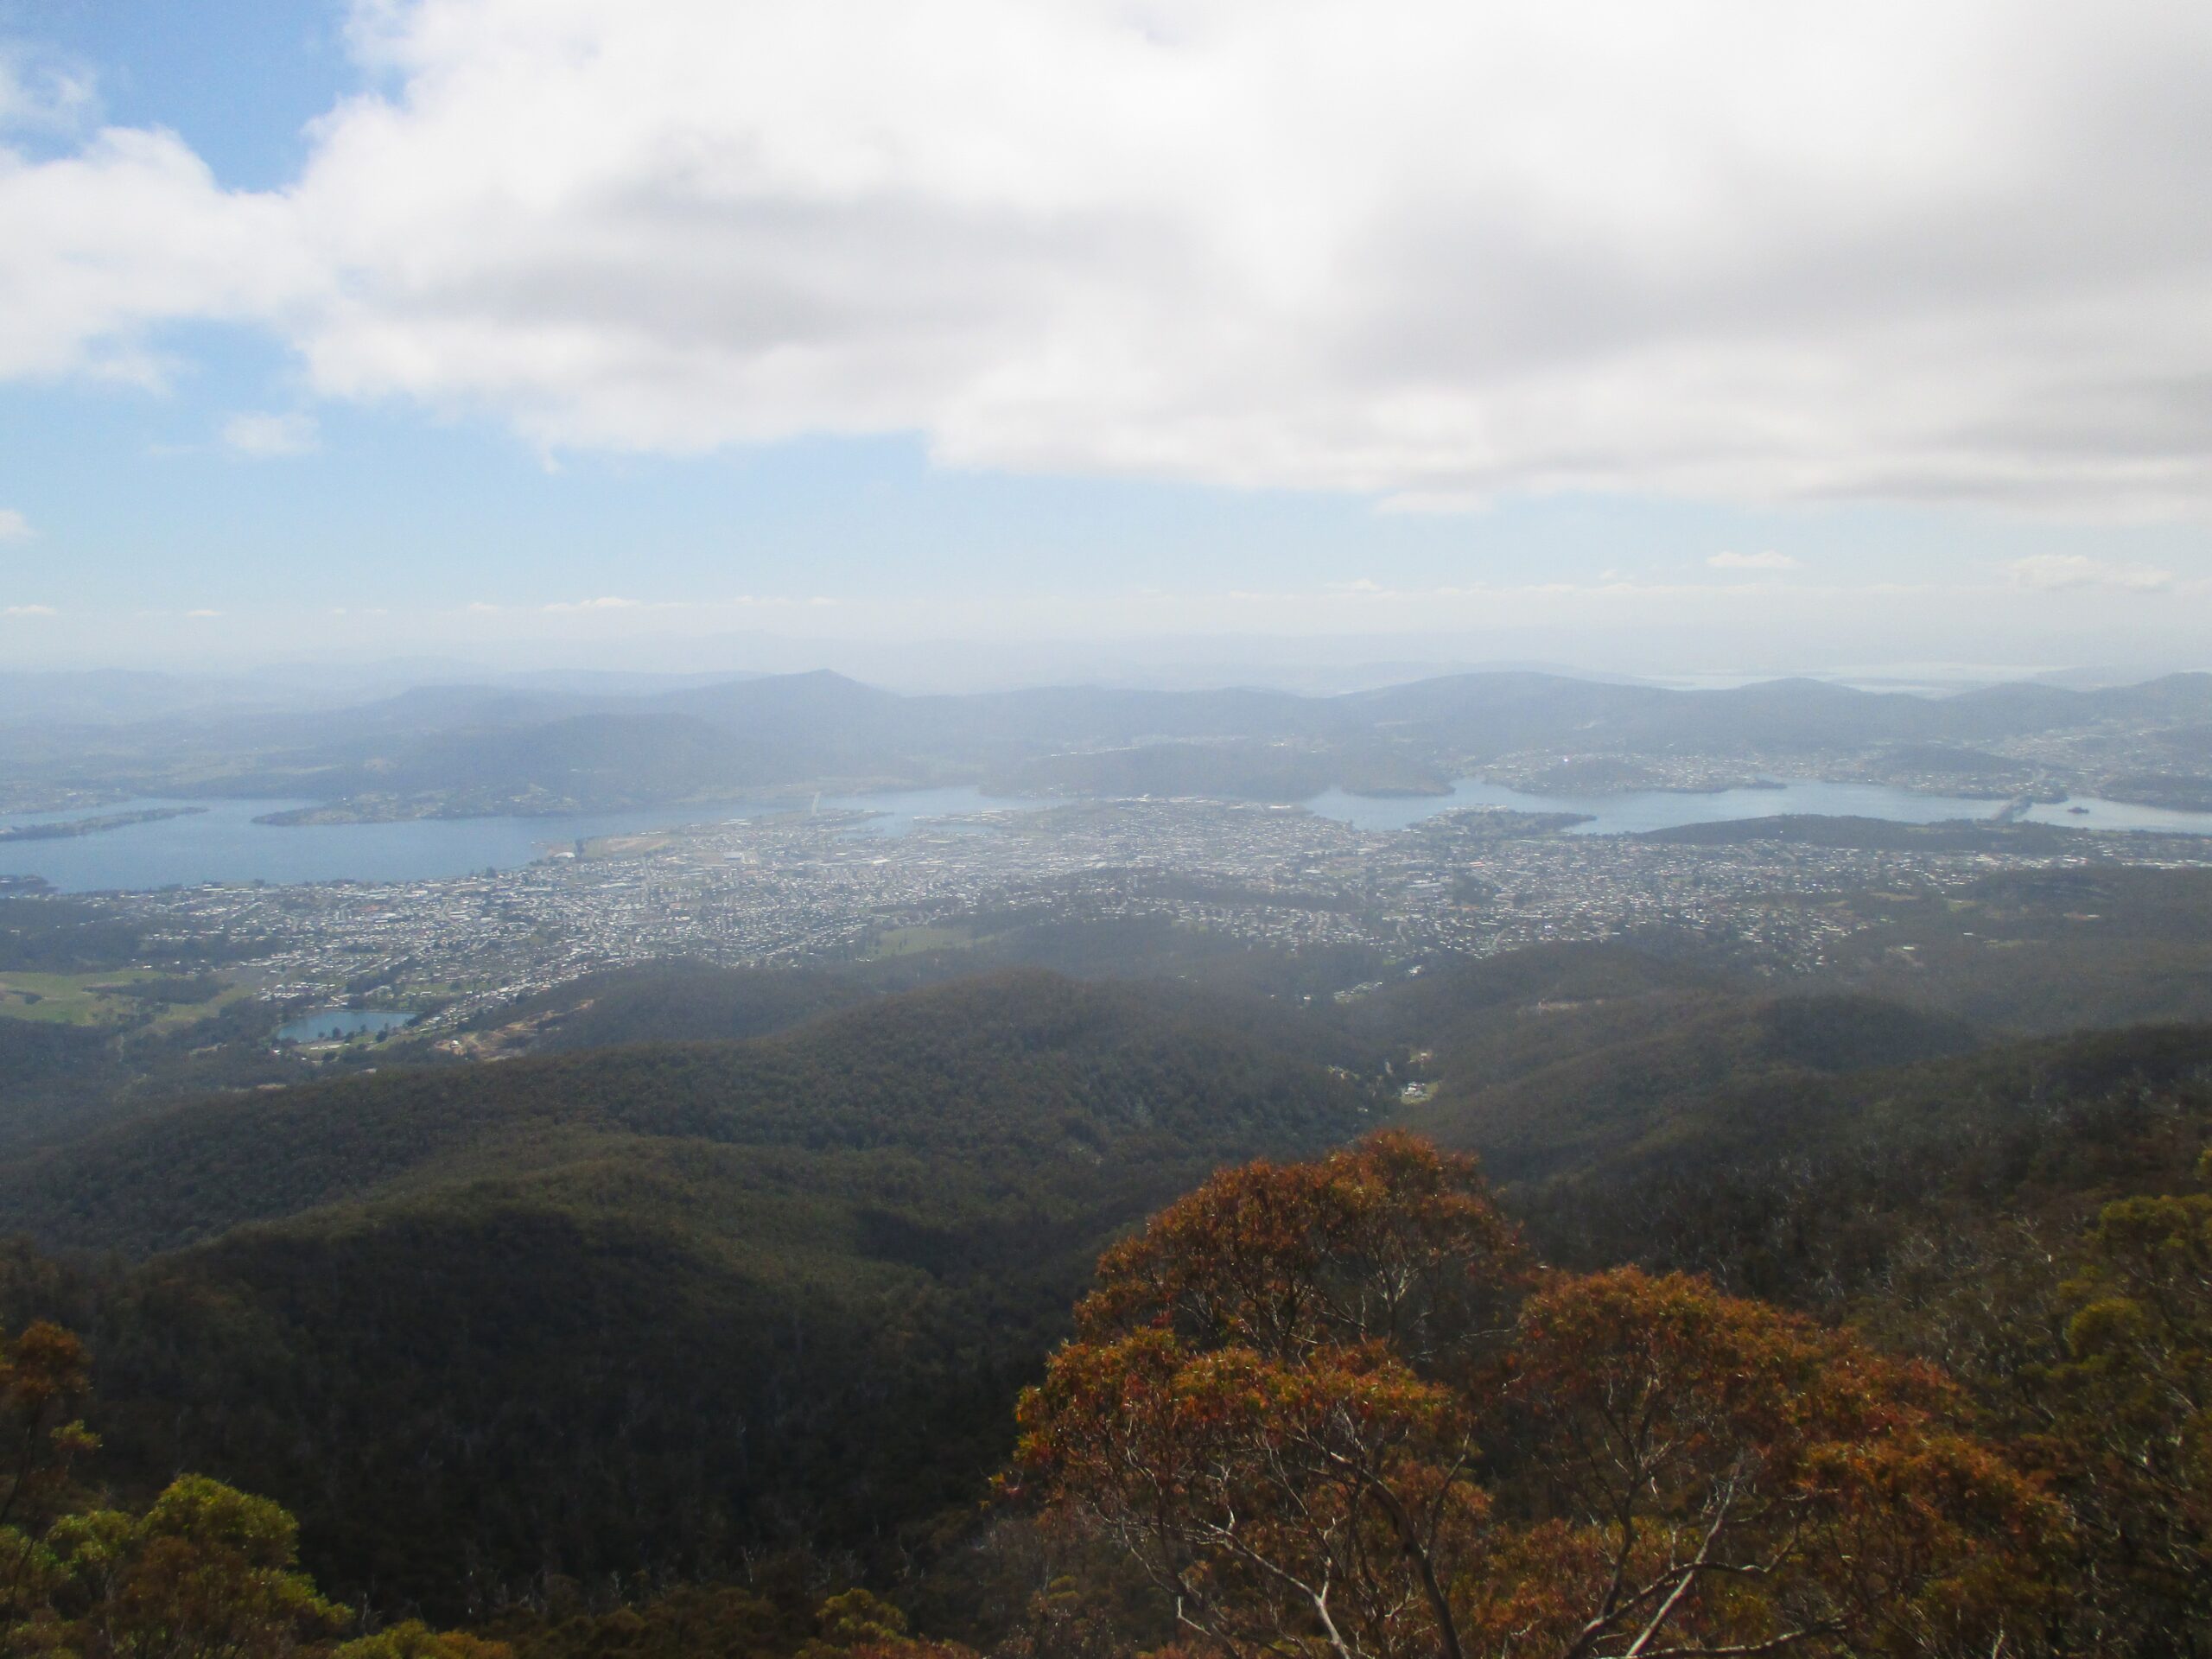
44,1375
1391,1242
1321,1407
1260,1406
1701,1474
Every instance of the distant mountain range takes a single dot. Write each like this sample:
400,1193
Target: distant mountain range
462,748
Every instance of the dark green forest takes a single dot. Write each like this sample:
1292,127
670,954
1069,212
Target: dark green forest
639,1309
714,1302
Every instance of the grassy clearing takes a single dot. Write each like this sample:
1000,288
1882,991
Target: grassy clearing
69,999
98,999
629,845
913,941
186,1014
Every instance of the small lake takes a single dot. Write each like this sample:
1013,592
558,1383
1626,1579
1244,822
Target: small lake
336,1025
224,844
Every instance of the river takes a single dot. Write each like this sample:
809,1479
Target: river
224,844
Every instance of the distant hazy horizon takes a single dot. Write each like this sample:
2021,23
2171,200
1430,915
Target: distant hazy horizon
1314,665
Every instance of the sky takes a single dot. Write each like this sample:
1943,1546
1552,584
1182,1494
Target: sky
1698,337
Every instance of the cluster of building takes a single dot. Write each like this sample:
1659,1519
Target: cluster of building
803,887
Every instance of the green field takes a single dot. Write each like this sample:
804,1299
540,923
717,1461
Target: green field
99,1000
913,941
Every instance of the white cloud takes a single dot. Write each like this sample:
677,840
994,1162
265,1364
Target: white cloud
43,93
28,610
1437,502
266,437
1769,560
609,603
2054,572
14,527
1429,250
129,233
203,612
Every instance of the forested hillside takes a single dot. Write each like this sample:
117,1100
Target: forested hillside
669,1001
1825,1189
647,1306
658,1301
1576,1087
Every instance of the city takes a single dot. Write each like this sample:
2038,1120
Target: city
800,889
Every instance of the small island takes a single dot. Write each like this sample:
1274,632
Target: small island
74,827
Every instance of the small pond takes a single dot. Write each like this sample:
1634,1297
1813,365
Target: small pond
339,1025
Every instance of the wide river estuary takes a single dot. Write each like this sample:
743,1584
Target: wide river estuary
224,843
